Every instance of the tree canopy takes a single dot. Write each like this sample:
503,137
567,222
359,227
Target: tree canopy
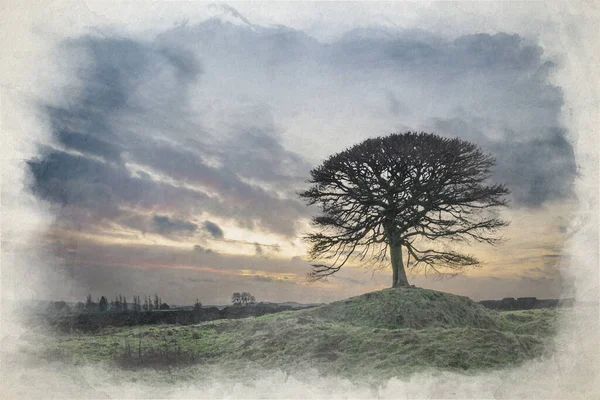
403,192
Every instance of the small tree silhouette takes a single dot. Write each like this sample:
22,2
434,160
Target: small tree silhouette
197,306
122,303
102,304
89,304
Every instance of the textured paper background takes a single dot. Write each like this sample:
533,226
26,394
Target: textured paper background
566,30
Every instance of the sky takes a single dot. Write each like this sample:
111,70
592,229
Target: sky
165,143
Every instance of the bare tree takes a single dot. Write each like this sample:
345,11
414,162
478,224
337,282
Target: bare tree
136,303
156,302
123,300
89,304
403,192
236,298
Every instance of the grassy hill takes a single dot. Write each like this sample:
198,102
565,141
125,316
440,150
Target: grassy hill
393,332
413,308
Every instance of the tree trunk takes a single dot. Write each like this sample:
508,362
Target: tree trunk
399,274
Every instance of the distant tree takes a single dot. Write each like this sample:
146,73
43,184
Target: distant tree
102,304
156,302
401,193
252,300
88,303
123,301
116,304
236,298
245,298
197,306
164,306
137,306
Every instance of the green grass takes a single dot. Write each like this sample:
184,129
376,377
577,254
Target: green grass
389,333
541,322
409,308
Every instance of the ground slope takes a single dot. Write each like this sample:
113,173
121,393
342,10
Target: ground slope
383,334
414,308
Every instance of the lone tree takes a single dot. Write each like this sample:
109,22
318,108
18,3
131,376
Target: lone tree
403,192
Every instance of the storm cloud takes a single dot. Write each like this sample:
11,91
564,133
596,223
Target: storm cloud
126,138
213,229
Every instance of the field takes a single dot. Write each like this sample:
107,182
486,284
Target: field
391,333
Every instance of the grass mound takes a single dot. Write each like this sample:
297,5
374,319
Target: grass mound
414,308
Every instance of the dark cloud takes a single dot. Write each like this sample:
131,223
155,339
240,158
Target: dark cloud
213,229
539,169
132,106
199,120
535,169
258,250
89,144
166,225
258,154
93,189
201,249
492,89
386,47
249,203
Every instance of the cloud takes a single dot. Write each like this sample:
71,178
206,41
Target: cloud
89,190
127,119
201,249
165,225
271,279
149,116
536,169
213,229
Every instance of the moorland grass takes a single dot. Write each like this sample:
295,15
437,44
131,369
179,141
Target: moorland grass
393,332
